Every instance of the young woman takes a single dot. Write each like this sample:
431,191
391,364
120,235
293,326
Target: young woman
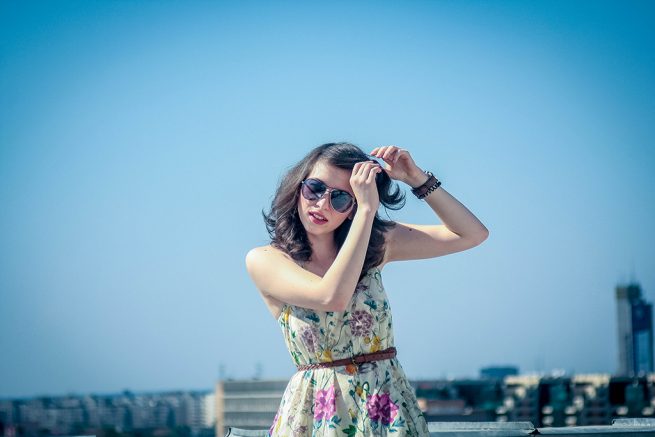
321,279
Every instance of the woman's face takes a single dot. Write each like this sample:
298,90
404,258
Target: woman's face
333,177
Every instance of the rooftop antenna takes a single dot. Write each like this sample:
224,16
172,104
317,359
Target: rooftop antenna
221,371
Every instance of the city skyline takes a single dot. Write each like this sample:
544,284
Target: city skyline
140,141
551,401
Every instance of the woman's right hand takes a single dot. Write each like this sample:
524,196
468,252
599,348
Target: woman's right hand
362,181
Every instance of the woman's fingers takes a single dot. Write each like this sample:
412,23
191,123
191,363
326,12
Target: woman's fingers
355,169
371,176
388,153
363,182
391,152
363,168
360,168
373,169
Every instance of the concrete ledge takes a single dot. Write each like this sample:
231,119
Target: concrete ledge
237,432
487,429
619,428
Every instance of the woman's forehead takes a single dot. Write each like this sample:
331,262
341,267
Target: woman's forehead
333,176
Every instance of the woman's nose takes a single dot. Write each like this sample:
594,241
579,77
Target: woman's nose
323,202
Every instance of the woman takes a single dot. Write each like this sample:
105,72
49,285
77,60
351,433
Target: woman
321,279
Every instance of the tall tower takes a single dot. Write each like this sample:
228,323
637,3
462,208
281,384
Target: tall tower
635,331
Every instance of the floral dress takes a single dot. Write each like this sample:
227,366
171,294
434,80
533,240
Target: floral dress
372,400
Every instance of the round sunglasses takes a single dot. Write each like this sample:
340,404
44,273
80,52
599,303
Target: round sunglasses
313,189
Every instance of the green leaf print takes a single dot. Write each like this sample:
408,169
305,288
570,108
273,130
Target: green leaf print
371,303
350,431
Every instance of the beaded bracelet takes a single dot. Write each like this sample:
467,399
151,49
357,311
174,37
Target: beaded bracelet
429,186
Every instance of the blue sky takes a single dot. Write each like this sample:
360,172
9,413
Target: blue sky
139,142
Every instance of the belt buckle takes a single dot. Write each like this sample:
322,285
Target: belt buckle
352,360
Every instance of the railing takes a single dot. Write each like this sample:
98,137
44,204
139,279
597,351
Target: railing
618,428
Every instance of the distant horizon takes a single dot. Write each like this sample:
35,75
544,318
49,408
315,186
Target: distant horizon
552,373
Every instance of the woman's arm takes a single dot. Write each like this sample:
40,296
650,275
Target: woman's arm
461,229
276,275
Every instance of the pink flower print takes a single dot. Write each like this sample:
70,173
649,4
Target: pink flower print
360,323
324,404
381,408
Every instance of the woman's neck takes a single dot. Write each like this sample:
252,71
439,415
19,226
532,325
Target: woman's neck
324,250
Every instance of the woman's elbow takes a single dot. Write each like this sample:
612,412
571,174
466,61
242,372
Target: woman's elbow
481,236
477,238
336,304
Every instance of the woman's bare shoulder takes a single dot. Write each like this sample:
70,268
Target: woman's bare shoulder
259,262
265,253
262,261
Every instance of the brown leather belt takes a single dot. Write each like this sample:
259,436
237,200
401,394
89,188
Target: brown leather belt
355,360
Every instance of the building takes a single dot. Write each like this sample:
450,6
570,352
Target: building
247,404
465,400
498,372
591,402
160,413
635,331
520,399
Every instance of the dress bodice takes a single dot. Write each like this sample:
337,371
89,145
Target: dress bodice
365,326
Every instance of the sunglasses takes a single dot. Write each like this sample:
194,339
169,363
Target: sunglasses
314,189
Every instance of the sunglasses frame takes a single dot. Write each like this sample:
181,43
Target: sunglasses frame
330,191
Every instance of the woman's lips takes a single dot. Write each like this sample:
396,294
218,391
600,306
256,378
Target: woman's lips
316,220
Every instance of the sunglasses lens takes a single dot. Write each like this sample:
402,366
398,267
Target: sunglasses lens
313,189
341,201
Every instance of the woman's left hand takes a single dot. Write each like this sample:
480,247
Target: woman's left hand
399,165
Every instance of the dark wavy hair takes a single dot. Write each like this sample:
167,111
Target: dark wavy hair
283,223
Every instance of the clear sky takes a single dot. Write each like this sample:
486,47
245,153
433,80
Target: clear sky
139,142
